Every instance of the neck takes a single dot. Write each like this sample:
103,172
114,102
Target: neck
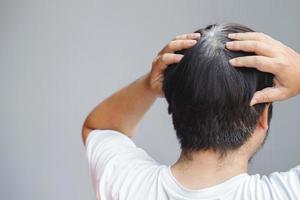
206,168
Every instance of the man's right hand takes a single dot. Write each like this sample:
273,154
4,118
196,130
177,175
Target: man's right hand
271,56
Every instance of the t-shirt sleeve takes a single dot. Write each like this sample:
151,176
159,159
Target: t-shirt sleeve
109,154
284,185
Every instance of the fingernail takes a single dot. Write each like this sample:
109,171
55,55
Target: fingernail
191,42
180,56
231,35
196,35
229,44
253,101
232,61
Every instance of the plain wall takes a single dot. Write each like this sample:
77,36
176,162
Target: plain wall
59,59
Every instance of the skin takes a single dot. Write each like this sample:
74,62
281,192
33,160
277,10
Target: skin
272,56
206,169
123,110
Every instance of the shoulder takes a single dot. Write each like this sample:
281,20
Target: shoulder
112,144
283,178
277,185
115,161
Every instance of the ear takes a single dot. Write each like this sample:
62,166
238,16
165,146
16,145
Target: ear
263,120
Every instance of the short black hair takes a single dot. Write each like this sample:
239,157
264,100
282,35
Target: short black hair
209,98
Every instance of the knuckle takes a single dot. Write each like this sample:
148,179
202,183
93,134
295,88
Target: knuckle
283,69
276,61
190,35
279,64
260,97
283,95
185,43
176,43
177,37
169,45
264,97
256,36
255,60
255,45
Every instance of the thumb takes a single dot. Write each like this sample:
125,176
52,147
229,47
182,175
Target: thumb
266,95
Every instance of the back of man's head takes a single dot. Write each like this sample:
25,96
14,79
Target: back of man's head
208,98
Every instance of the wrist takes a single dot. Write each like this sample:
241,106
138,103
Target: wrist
146,82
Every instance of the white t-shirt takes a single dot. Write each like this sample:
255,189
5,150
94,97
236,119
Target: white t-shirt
122,171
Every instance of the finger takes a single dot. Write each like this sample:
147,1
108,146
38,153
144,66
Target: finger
257,47
177,45
170,58
268,94
252,36
187,36
166,59
261,63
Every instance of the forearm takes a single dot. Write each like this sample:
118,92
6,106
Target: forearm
123,110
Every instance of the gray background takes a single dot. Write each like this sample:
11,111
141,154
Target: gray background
60,58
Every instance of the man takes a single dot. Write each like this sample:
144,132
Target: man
215,155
